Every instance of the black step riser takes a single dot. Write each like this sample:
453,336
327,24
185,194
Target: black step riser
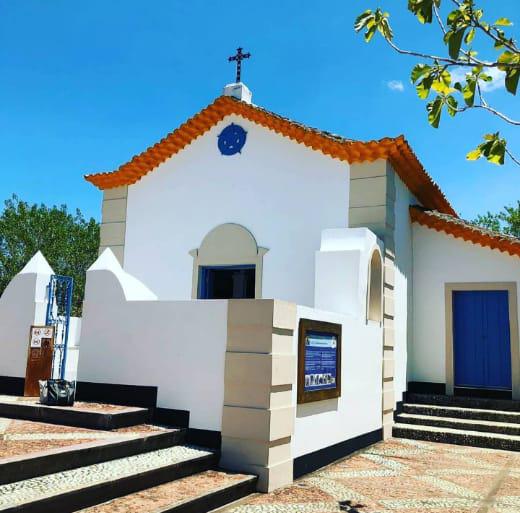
215,499
463,402
74,458
452,438
461,414
436,422
71,417
92,495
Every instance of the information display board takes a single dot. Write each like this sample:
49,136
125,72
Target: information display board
319,361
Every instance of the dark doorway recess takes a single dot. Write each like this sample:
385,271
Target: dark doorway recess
227,282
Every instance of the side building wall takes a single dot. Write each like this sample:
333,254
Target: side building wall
441,259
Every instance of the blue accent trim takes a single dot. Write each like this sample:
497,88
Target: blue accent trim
231,140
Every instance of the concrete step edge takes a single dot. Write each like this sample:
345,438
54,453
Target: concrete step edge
458,420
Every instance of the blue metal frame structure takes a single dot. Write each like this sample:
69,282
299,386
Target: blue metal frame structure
59,306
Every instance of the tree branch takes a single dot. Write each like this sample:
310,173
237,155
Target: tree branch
448,61
513,158
485,106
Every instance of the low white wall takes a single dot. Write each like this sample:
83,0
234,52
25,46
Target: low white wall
178,346
22,304
358,410
438,259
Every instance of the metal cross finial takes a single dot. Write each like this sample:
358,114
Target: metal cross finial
238,58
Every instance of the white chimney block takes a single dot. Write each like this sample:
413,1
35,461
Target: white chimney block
239,91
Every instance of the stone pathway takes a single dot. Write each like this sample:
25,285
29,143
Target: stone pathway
22,437
29,490
404,476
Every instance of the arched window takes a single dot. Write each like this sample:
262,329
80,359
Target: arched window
228,264
375,287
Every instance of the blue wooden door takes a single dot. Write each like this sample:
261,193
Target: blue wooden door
481,339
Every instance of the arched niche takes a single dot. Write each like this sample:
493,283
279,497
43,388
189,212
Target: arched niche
232,245
375,287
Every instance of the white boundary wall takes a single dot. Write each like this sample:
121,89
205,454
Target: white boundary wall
438,259
128,337
23,303
358,410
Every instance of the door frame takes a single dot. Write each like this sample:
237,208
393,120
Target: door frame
511,289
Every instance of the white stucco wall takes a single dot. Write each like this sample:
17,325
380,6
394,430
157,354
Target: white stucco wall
438,259
341,283
403,287
284,193
130,338
358,410
22,305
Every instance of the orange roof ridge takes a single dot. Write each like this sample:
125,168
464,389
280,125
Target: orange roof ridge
464,230
396,150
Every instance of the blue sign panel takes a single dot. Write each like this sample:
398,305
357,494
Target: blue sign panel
320,361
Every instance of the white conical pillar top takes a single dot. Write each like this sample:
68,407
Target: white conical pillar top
107,261
37,265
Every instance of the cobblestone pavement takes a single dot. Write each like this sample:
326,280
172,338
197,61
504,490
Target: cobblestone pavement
21,437
21,492
404,476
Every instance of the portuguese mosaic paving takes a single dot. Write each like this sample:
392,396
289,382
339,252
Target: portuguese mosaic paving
20,437
405,476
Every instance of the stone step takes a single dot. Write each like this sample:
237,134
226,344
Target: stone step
198,493
26,466
85,415
68,491
465,424
463,402
462,413
458,437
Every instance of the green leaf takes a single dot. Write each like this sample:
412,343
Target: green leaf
419,71
454,40
493,149
503,22
512,70
362,20
423,9
424,86
452,105
474,154
434,109
470,36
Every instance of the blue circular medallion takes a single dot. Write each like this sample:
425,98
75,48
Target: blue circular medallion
232,139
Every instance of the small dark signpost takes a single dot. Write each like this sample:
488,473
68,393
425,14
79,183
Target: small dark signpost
319,361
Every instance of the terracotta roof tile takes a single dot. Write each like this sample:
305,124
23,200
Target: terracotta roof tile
396,150
465,230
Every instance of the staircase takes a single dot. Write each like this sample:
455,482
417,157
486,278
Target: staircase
488,423
147,473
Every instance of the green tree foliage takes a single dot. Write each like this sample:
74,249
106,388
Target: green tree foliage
506,221
68,241
461,29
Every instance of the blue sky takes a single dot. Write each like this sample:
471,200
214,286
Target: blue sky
87,84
